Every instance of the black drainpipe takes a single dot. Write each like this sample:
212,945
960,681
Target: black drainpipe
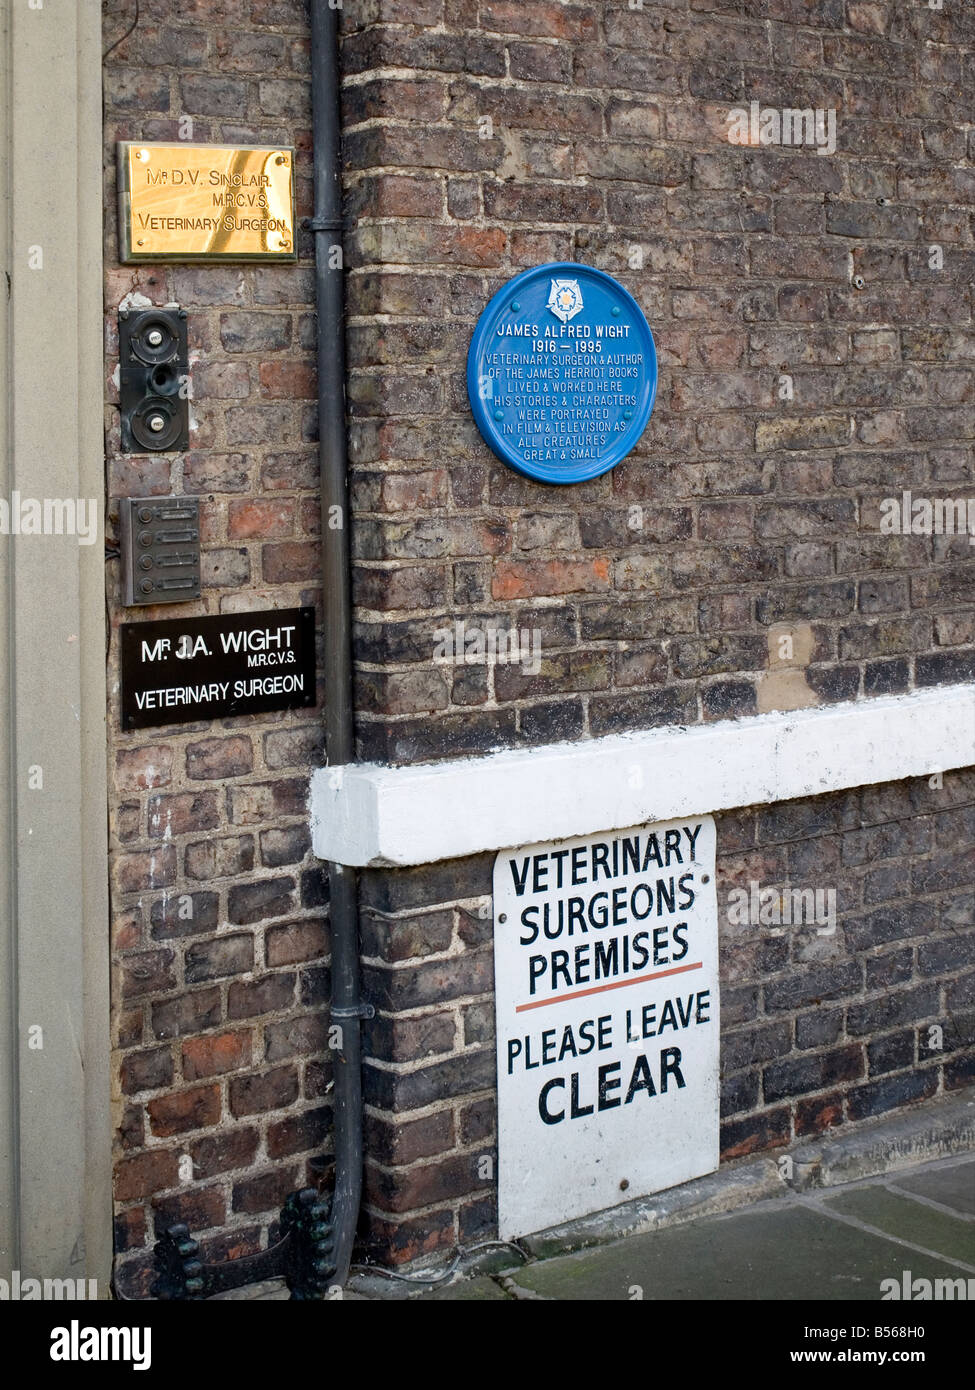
347,1008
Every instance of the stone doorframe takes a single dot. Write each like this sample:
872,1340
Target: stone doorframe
55,1119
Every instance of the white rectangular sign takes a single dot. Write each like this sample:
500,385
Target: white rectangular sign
606,990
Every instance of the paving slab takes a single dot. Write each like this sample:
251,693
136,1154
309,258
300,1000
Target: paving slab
899,1215
952,1186
787,1252
480,1290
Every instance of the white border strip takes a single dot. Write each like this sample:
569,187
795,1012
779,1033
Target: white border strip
366,814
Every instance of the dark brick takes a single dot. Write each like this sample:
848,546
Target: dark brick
739,1093
812,1072
190,1013
750,1045
250,998
944,957
819,1029
264,1191
769,1130
226,955
810,986
397,1144
893,922
455,1076
877,1097
897,1006
298,1133
147,1071
891,1053
262,1091
295,1037
411,986
184,914
296,941
223,1152
256,902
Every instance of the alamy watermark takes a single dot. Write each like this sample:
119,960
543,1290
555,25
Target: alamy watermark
783,907
908,515
50,516
926,1290
771,125
77,1343
466,645
21,1288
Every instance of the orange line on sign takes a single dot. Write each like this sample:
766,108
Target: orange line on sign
616,984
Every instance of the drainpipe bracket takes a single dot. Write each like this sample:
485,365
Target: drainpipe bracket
354,1011
323,224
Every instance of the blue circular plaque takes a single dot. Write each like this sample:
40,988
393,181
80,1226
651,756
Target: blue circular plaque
562,373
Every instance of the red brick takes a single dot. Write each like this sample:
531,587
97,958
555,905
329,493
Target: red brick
147,869
298,1133
197,1207
533,578
260,518
184,1110
145,1173
291,562
175,815
296,941
293,381
139,768
216,1053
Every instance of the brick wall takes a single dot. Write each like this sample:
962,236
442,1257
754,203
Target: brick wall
506,133
484,137
817,1030
220,937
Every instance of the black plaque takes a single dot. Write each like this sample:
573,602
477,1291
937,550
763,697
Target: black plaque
189,669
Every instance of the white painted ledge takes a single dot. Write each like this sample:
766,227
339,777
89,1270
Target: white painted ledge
367,814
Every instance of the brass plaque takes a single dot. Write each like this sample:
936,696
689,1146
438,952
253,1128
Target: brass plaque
206,202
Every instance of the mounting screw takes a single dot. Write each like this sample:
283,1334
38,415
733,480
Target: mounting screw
858,282
146,586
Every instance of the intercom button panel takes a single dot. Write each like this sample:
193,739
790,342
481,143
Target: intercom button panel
159,540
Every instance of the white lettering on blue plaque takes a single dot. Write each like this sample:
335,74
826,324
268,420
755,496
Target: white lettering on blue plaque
562,373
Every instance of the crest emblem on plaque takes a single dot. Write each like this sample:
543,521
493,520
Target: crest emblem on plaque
565,299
